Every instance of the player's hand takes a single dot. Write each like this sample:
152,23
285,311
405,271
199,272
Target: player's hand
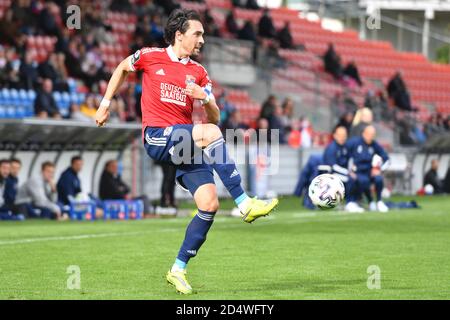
194,91
102,114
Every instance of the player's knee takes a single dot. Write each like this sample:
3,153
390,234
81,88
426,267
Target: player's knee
210,205
212,132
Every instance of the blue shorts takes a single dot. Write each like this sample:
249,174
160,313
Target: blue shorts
162,143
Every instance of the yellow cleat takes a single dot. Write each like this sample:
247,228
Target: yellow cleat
178,279
259,208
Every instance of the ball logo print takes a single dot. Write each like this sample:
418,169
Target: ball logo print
326,191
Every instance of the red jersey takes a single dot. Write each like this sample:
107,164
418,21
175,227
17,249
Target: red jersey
164,101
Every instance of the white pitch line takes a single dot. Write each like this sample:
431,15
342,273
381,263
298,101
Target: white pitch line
82,236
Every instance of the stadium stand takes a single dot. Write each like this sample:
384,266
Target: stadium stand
118,31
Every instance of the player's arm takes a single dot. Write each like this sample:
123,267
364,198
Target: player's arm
380,151
209,102
118,77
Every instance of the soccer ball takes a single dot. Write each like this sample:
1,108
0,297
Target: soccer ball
326,191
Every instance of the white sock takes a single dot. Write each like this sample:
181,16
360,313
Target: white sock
244,204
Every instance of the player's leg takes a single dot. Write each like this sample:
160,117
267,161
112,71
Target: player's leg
353,190
201,185
210,139
379,185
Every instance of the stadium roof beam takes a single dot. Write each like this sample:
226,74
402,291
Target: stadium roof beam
59,135
407,5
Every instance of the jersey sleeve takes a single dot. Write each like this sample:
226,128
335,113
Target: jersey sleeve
139,60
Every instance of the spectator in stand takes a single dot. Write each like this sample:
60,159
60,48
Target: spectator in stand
447,123
69,184
157,30
231,24
237,3
362,119
266,28
234,121
288,114
398,91
332,62
49,19
433,127
346,121
306,133
45,105
268,107
285,38
77,115
210,25
274,59
351,71
431,178
226,107
51,69
9,69
252,5
40,192
28,72
247,32
117,111
276,123
167,5
89,107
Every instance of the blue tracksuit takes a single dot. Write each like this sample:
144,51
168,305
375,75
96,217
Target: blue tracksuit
362,155
9,195
336,156
68,185
311,170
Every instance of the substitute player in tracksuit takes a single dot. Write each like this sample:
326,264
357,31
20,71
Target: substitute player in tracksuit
366,170
171,82
336,156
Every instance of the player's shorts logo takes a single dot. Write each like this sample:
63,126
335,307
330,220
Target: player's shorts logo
167,131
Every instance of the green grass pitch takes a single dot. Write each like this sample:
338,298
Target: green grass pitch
293,254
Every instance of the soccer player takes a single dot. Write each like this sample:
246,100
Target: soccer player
336,156
171,83
362,151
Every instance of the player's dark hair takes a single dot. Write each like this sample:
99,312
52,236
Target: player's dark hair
16,160
179,21
337,127
2,161
46,164
75,158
